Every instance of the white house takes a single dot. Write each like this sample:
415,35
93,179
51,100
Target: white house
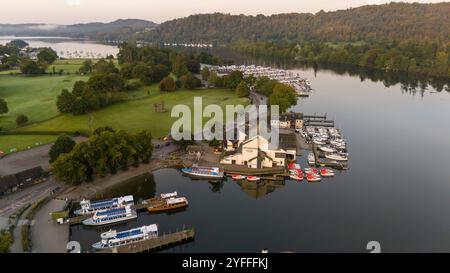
255,153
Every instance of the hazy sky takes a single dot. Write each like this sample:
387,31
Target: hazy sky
75,11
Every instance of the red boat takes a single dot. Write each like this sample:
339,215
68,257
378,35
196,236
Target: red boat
327,173
311,171
313,178
237,177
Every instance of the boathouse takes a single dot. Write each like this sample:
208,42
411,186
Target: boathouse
255,152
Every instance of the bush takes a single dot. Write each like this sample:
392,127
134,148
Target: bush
21,120
167,84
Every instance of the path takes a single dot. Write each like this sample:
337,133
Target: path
46,235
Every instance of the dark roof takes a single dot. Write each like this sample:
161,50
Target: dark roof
9,181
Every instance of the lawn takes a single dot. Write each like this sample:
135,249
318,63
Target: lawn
136,115
34,97
14,143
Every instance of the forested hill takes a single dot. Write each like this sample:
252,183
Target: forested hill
119,29
375,23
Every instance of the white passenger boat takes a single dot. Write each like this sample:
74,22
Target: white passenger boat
88,207
113,238
111,216
337,157
206,172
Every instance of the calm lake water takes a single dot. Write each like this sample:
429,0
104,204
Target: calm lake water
67,47
396,191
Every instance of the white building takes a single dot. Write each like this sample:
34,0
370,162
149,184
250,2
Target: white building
255,153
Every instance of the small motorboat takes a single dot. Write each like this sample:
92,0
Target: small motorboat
326,173
313,178
311,171
337,157
327,149
238,177
253,178
296,175
311,159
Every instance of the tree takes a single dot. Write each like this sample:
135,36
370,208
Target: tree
160,71
18,43
145,146
193,66
86,67
70,170
100,130
167,84
242,90
63,145
189,81
213,80
179,65
21,120
144,73
284,96
64,101
3,107
47,55
233,79
205,73
29,67
105,67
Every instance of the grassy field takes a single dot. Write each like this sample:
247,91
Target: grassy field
136,115
19,142
34,97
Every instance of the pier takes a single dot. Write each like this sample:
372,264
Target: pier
155,244
318,121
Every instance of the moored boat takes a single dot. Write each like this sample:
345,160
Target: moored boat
326,173
112,238
238,177
337,157
311,171
311,159
327,149
169,204
111,216
89,207
206,172
313,178
253,178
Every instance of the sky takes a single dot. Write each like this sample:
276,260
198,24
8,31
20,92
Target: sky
82,11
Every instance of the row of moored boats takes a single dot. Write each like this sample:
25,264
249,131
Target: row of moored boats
121,209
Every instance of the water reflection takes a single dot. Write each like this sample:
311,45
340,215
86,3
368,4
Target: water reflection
410,84
260,188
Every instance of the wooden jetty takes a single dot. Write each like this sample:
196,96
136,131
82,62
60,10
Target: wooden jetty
155,244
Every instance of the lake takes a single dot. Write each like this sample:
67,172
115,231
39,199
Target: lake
67,47
396,191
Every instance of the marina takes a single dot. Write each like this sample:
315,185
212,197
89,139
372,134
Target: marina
301,85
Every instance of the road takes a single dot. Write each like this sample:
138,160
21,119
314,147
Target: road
10,203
